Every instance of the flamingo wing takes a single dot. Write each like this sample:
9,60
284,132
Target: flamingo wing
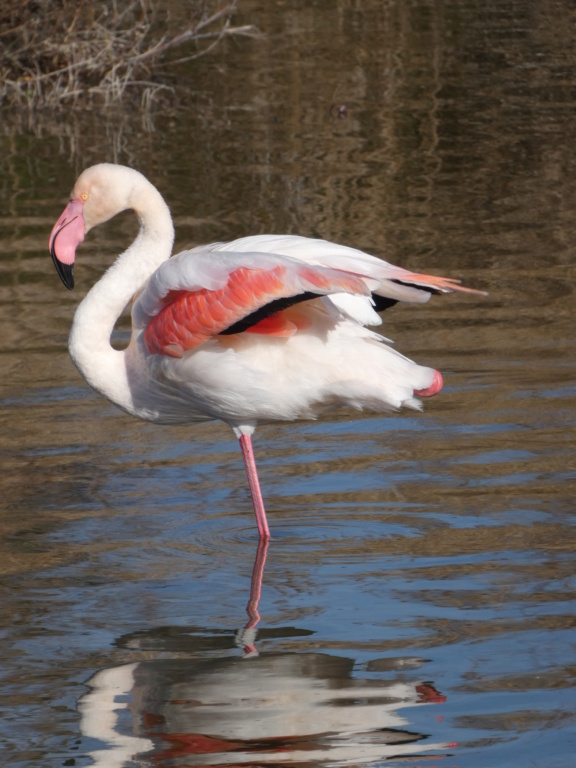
201,293
393,284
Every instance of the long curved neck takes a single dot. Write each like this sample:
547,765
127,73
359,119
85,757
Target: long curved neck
101,365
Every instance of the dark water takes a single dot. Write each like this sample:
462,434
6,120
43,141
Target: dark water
418,594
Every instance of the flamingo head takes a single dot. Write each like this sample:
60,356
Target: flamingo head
100,193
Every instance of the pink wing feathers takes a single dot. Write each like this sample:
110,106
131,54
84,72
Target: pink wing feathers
244,285
393,282
200,294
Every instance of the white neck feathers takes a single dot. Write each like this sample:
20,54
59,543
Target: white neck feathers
90,348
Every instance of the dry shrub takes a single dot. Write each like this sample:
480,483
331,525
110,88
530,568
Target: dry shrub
60,52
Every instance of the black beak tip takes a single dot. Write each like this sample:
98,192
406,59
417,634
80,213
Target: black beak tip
65,271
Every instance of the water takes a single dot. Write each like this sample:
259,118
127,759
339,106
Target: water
417,598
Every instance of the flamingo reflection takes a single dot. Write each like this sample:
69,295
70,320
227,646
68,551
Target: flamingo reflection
273,709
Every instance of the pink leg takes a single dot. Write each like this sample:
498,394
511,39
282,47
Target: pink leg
433,389
257,500
256,584
246,637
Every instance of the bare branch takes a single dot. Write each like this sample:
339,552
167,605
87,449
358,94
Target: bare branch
95,50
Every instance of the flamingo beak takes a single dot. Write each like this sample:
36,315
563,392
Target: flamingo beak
66,236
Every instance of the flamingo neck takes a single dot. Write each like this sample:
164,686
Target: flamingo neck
102,366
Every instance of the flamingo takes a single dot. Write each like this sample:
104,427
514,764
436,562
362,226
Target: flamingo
265,328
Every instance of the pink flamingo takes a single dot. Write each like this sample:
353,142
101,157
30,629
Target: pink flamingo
265,328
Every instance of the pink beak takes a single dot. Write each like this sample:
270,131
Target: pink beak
66,236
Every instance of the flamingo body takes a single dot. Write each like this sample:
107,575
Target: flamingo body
265,328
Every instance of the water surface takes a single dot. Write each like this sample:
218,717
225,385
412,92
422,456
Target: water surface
418,593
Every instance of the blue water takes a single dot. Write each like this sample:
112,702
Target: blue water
417,600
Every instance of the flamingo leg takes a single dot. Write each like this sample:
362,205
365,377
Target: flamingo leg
254,483
246,637
256,584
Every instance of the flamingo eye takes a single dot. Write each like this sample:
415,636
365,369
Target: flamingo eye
84,196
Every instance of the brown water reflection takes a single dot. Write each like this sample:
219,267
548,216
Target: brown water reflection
441,136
